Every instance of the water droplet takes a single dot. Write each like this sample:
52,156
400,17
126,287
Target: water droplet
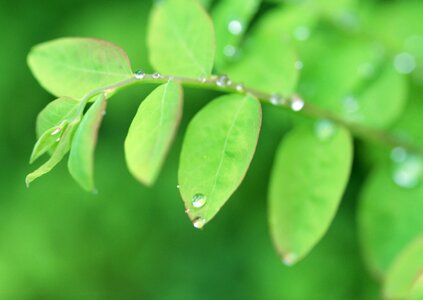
276,99
290,259
398,154
299,65
351,104
325,129
297,103
235,27
199,222
178,186
404,63
56,131
239,87
202,79
230,51
198,200
222,81
58,139
139,74
408,173
302,33
156,75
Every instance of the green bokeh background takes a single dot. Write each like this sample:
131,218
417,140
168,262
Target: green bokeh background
129,241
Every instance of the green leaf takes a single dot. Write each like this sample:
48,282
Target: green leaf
389,218
231,19
181,38
416,292
308,180
81,158
55,112
404,272
152,130
216,153
47,140
75,66
59,152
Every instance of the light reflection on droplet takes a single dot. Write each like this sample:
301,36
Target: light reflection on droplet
408,173
290,259
276,99
297,103
325,129
199,222
156,75
235,27
139,74
223,81
199,200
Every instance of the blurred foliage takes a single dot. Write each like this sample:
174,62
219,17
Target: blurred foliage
130,242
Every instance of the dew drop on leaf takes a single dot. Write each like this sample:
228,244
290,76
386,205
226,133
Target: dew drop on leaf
199,222
324,129
289,259
276,99
229,51
235,27
297,103
223,81
408,173
156,75
350,104
198,200
404,63
239,87
139,74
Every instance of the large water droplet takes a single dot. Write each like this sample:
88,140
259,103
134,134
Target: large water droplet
297,103
198,200
235,27
230,51
404,63
56,131
302,33
199,222
408,173
223,81
156,75
325,129
139,74
290,259
276,99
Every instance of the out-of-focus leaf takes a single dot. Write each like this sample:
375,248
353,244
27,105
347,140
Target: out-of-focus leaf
60,151
54,113
389,217
81,157
231,19
354,79
73,67
217,150
404,272
308,179
152,131
416,292
181,38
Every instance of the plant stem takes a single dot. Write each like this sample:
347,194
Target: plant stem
223,84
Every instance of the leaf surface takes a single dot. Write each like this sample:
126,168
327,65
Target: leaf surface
217,150
152,131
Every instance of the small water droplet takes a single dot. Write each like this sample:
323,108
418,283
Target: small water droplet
297,103
199,222
408,173
198,200
325,129
178,186
239,87
139,74
301,33
299,65
202,79
56,131
350,104
58,139
398,154
156,76
230,51
235,27
404,63
290,259
222,81
276,99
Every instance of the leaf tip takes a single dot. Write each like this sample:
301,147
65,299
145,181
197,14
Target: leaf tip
290,259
